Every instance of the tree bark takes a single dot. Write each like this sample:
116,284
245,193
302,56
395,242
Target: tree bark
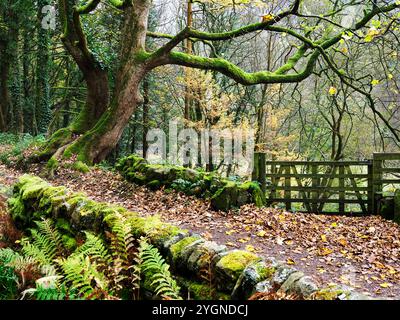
96,78
95,145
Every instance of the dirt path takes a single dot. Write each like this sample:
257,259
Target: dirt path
361,252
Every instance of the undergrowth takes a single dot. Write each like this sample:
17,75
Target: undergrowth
116,267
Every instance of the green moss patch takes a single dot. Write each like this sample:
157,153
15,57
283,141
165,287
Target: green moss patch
235,262
224,194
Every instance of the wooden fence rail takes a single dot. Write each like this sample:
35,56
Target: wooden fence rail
352,187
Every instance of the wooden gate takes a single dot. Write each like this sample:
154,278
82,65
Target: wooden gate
352,187
321,187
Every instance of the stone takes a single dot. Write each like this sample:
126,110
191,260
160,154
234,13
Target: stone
226,197
282,273
265,286
386,208
290,284
191,175
251,275
230,266
305,287
203,256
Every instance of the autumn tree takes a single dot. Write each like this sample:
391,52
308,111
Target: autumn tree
98,128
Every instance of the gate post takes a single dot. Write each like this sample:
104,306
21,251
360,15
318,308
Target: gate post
260,170
376,181
370,185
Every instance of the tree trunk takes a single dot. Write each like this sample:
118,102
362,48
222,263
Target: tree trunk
97,143
5,100
42,94
146,101
96,78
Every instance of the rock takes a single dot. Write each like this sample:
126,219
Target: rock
226,197
230,266
290,284
305,287
386,208
166,245
204,256
180,251
282,274
265,286
251,275
191,175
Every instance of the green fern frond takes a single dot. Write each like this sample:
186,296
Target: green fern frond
154,265
47,229
95,248
82,275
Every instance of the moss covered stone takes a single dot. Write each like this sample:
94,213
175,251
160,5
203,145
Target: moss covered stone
224,194
153,228
177,249
201,291
230,267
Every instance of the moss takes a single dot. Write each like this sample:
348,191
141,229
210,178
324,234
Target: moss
264,272
201,291
17,210
52,164
81,167
64,226
236,261
328,294
154,185
178,247
152,227
69,242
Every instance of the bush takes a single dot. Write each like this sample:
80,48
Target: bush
15,145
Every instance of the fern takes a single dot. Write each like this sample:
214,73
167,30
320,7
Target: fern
154,265
46,244
51,234
8,278
94,248
82,275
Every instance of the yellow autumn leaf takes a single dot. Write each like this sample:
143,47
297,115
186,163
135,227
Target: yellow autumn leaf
243,240
230,244
267,18
230,232
390,76
332,91
334,225
325,251
342,241
290,261
375,82
261,233
250,248
386,285
323,238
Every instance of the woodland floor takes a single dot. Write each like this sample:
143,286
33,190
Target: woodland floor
362,252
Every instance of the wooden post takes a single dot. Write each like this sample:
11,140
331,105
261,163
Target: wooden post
314,185
274,181
370,184
377,180
341,191
262,171
287,189
256,174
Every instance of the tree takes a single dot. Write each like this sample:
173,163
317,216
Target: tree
99,127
